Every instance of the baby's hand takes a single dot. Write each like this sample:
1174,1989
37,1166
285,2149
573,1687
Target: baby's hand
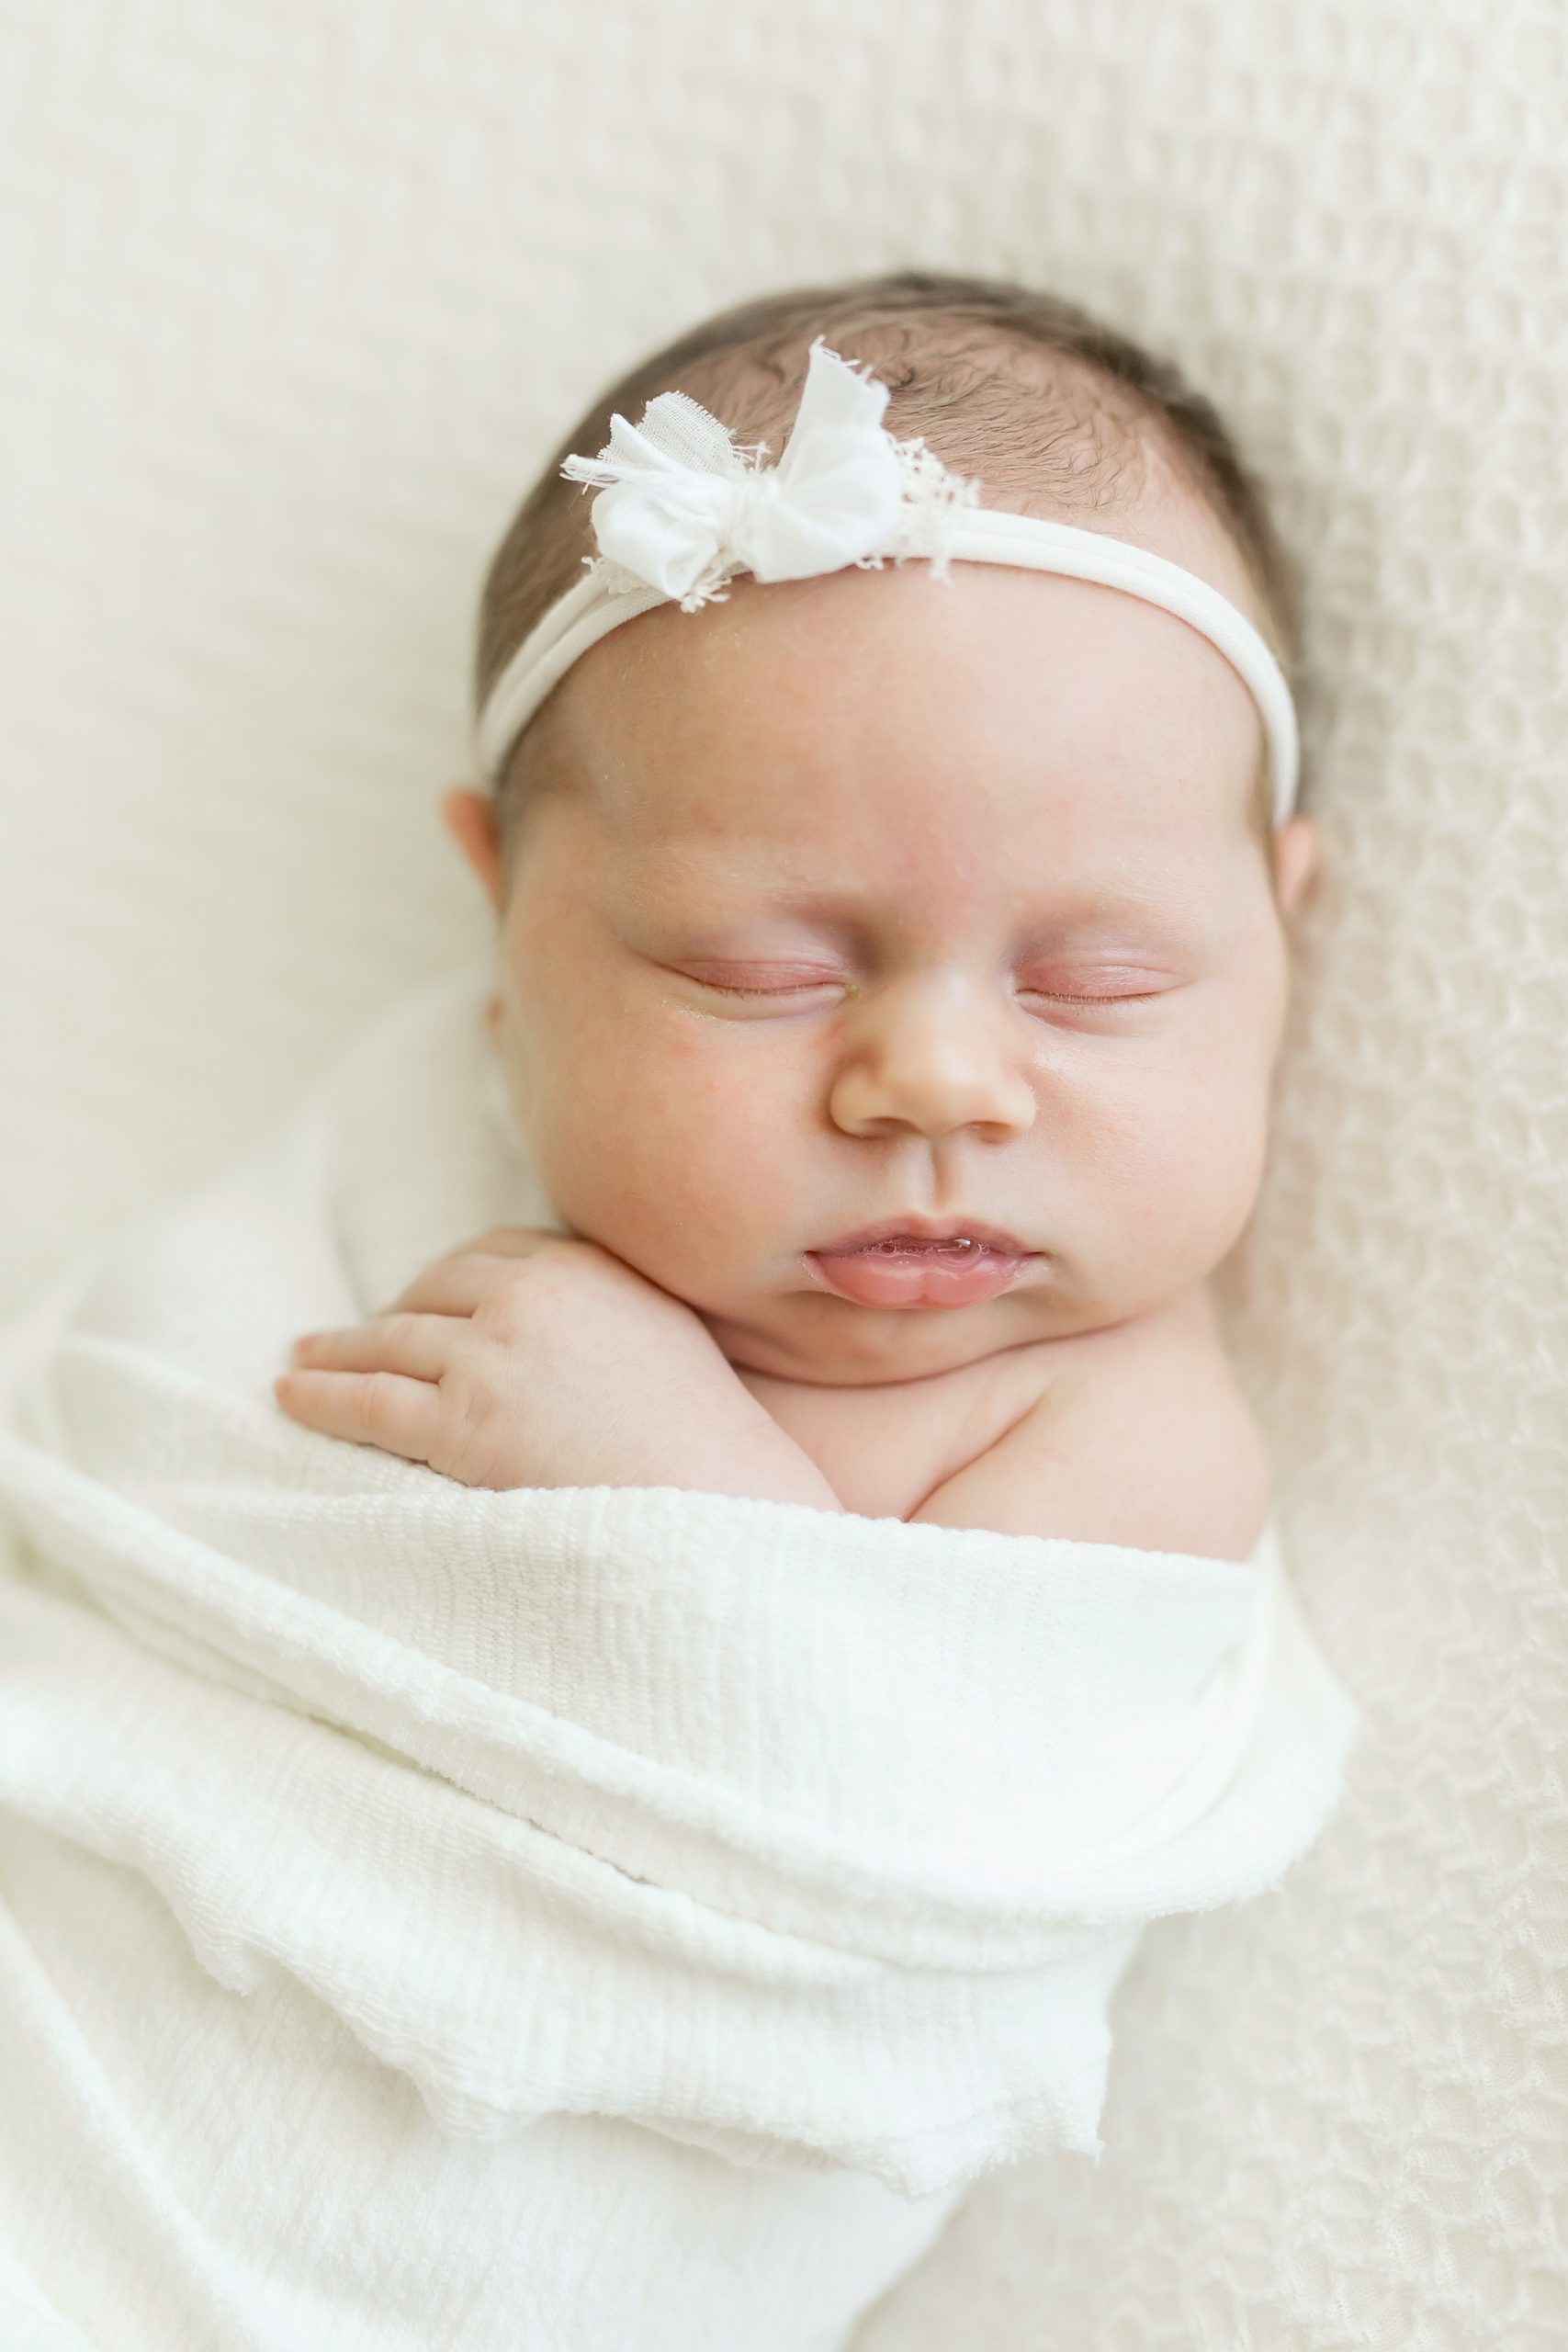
526,1357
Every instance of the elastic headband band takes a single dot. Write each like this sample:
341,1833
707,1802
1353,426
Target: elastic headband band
681,508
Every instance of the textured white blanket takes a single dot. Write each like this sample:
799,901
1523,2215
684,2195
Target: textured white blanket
575,1917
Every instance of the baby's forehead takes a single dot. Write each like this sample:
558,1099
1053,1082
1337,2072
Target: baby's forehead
893,837
861,698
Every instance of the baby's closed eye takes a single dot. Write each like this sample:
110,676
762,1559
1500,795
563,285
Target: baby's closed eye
1097,983
766,979
1101,983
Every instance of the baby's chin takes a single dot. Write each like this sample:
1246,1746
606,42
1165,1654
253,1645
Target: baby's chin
837,1344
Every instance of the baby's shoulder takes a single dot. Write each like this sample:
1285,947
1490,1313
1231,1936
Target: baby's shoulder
1139,1435
1157,1411
1172,1352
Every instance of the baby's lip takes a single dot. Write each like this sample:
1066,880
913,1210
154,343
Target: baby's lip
918,1228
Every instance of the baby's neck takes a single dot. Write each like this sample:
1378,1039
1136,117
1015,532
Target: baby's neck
1192,1311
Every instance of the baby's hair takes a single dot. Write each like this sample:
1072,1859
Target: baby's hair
1054,411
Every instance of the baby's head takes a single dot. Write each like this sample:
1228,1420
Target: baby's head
875,898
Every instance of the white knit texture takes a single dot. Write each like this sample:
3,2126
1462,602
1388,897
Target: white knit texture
298,298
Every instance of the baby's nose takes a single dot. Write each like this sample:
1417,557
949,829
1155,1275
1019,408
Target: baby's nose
935,1063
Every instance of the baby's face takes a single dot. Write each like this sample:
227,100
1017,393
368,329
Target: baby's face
872,898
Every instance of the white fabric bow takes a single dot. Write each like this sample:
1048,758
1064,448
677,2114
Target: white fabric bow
682,508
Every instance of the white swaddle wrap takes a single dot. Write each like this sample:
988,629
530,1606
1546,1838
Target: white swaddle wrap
587,1917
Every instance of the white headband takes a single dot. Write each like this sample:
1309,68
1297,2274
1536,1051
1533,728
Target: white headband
681,508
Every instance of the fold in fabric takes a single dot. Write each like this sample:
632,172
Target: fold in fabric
813,1842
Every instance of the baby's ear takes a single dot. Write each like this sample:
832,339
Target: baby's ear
469,818
1295,859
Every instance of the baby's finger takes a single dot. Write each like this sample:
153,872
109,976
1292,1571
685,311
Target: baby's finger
450,1286
457,1285
512,1241
419,1345
380,1409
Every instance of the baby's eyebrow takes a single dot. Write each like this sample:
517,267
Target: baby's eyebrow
859,922
687,889
1062,901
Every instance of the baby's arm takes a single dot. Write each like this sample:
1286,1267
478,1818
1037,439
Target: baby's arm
1144,1441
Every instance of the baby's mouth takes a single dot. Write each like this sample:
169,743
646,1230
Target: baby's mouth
900,1270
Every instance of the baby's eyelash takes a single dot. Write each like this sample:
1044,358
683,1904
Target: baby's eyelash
1108,996
797,987
826,980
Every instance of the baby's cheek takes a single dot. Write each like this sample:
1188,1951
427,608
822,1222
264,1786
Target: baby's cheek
735,1147
675,1154
1227,1168
1175,1168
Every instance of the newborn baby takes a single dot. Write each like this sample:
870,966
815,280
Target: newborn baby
893,961
669,1853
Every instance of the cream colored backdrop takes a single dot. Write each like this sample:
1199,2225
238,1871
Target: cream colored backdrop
298,295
